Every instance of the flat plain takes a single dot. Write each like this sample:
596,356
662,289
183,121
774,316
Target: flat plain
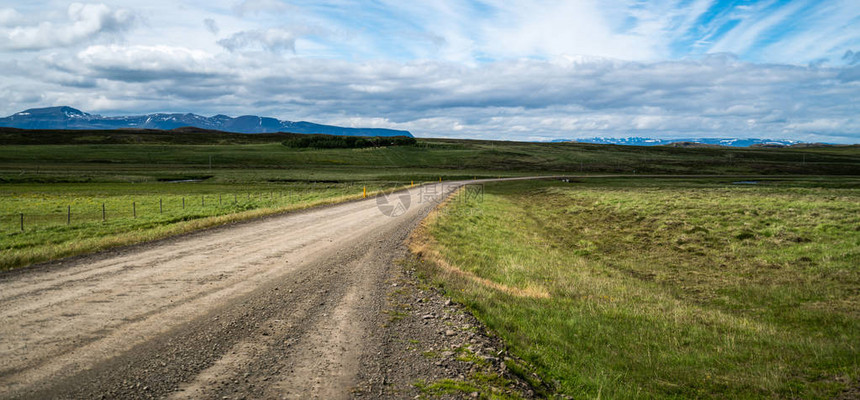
663,288
648,272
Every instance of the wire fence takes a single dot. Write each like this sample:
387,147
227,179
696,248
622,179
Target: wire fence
78,212
38,211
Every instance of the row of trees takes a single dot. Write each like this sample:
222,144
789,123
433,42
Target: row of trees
347,142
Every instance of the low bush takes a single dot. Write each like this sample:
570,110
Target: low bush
346,142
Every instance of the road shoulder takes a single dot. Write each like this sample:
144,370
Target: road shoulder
432,347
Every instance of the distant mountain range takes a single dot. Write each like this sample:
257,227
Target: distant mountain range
687,142
70,118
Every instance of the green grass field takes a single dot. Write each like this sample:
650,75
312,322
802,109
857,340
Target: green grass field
43,173
141,156
663,288
61,220
611,287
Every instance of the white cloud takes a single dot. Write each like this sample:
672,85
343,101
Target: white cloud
556,27
145,63
746,34
9,17
573,97
273,40
246,7
823,32
83,22
851,57
491,69
211,26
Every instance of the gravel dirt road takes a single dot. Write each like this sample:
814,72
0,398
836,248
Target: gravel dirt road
291,306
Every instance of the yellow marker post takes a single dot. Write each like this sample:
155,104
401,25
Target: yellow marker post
364,193
412,184
440,179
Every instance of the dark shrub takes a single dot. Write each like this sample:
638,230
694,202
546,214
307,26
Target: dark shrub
346,142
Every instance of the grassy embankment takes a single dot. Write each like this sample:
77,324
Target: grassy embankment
624,288
42,173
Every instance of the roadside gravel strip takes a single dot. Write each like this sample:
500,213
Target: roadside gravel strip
290,306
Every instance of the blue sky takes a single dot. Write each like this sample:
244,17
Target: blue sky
526,70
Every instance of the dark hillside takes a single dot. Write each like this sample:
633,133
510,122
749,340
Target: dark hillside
300,151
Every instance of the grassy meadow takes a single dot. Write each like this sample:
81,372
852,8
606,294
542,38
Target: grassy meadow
625,287
663,288
136,155
44,173
67,219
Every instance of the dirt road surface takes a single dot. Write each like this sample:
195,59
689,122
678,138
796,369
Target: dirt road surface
290,306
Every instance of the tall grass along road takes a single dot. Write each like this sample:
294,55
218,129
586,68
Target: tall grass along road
663,288
279,307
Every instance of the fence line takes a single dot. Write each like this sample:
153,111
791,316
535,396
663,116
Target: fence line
113,210
73,213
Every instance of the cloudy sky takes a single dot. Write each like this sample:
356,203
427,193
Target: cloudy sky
526,70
